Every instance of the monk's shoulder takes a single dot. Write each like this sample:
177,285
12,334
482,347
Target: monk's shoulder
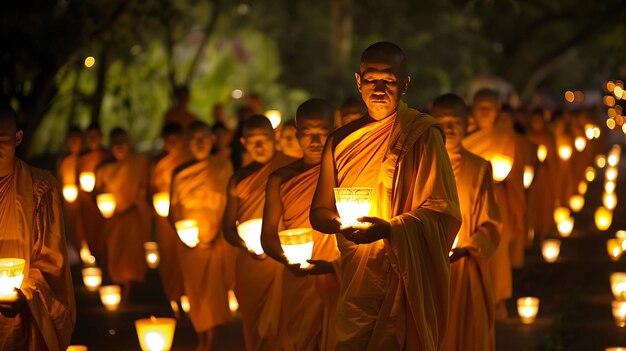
287,172
244,172
344,131
43,181
182,168
104,165
476,167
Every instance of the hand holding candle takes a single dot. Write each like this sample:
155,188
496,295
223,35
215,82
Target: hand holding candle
353,203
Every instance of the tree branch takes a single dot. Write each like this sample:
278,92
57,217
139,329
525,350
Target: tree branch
208,30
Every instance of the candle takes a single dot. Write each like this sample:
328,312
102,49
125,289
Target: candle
92,278
233,304
609,201
610,174
600,161
11,277
565,152
152,254
560,214
576,202
111,296
501,166
614,249
582,187
619,313
618,285
589,132
565,227
612,160
542,152
188,232
590,174
161,203
274,116
353,203
616,348
87,181
85,254
580,143
77,348
155,334
620,235
106,204
550,249
297,245
250,232
609,187
70,192
529,174
603,218
184,303
527,308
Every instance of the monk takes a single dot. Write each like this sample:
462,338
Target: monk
352,109
67,174
179,113
395,270
126,178
255,276
471,320
308,294
288,141
42,315
492,141
92,222
166,237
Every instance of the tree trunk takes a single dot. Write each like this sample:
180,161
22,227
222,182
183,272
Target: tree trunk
341,33
96,100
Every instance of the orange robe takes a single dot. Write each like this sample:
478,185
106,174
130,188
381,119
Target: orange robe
510,198
129,227
199,192
166,237
67,173
92,221
254,279
542,197
309,303
471,320
394,293
31,225
567,185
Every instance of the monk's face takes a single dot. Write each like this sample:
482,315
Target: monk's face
350,114
94,139
288,142
75,143
260,144
120,150
381,84
312,135
485,113
536,122
172,144
454,127
10,139
200,145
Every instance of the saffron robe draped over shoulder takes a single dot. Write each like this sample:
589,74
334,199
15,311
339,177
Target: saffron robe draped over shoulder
471,320
199,191
544,189
31,225
309,303
394,293
129,227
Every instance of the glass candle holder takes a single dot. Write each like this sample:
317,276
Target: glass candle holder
527,308
353,203
590,174
619,313
161,203
580,143
155,334
106,204
529,174
87,181
111,296
618,285
614,249
188,232
565,227
70,192
576,203
92,278
250,232
603,218
550,249
152,254
565,152
11,277
297,245
542,153
501,166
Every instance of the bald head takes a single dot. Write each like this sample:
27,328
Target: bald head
8,117
450,105
384,52
316,110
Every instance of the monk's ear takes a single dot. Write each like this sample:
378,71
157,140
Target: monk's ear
357,77
407,81
19,135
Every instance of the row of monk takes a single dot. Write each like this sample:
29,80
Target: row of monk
430,265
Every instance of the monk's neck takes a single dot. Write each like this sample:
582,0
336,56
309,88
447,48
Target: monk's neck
309,163
380,118
454,150
7,168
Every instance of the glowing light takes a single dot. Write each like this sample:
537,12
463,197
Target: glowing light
614,249
233,304
542,152
580,143
250,232
70,192
90,61
188,232
610,174
624,128
155,334
610,85
565,227
620,235
527,308
618,285
610,123
618,91
569,96
600,161
297,245
87,181
576,202
590,174
274,116
582,187
501,166
92,278
609,201
152,254
609,101
565,152
560,214
596,132
161,203
353,203
106,204
85,254
603,218
236,94
184,303
609,187
589,131
550,249
111,296
77,348
579,96
11,277
529,174
619,313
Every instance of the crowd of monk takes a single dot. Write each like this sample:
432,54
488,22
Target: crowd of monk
431,270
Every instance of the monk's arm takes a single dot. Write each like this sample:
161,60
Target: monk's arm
229,221
272,212
323,215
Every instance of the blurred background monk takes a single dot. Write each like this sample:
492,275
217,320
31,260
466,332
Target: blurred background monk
288,141
166,237
92,222
352,109
199,193
126,178
497,144
67,174
259,299
471,320
42,315
395,272
308,294
179,113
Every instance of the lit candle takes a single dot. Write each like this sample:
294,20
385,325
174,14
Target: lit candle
612,160
603,218
87,181
550,249
620,235
614,155
618,285
274,116
600,161
580,143
582,187
250,232
188,232
616,348
576,202
501,167
560,214
609,201
589,132
590,174
542,153
565,152
152,254
11,277
614,249
70,192
527,308
297,245
610,174
565,227
353,203
184,303
111,296
596,132
529,174
85,254
161,203
609,187
92,278
619,313
77,348
106,204
155,334
233,304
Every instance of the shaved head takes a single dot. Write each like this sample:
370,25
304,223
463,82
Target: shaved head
256,122
384,52
450,105
315,109
8,117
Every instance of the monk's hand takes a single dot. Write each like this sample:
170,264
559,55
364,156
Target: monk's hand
11,308
374,229
458,253
319,267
